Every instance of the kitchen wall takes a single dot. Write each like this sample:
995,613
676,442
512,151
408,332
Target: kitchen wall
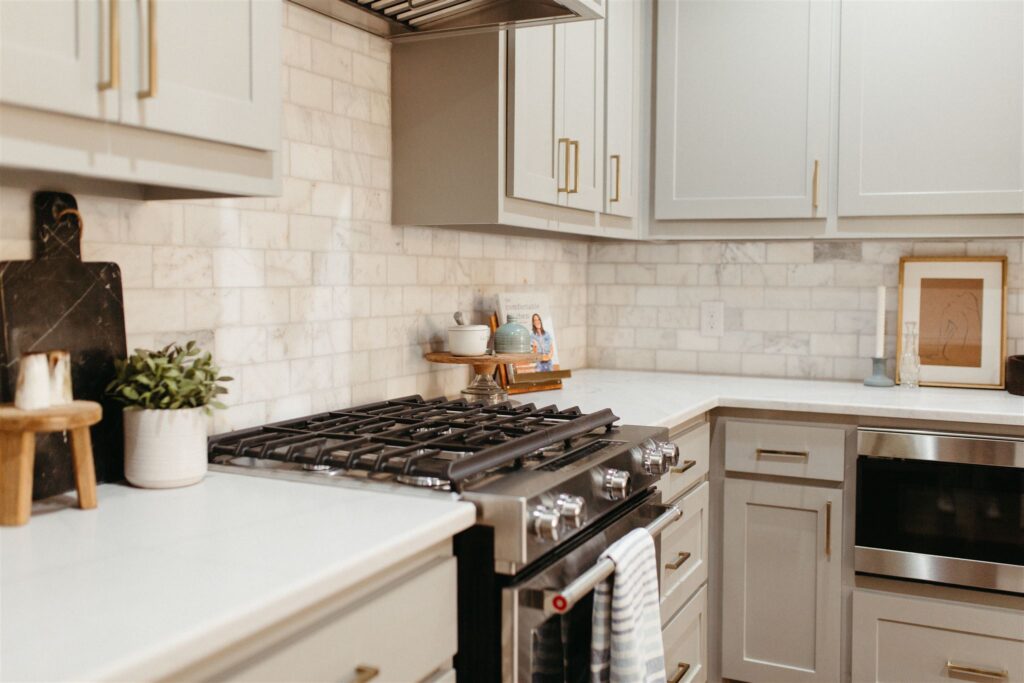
313,300
792,309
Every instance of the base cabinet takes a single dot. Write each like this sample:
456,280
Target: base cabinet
781,604
686,641
915,638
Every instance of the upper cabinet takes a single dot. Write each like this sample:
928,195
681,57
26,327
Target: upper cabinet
179,95
931,108
623,39
207,70
742,118
508,128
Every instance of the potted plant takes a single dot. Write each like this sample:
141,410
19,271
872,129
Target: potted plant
168,396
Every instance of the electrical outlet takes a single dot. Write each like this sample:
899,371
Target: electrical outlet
712,318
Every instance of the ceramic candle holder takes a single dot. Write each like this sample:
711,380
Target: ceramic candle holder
878,377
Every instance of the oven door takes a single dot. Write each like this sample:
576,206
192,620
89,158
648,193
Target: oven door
541,646
939,508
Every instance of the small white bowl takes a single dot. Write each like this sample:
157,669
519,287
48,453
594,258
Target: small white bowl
468,340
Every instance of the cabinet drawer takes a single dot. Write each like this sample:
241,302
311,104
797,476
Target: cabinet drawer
694,448
686,641
418,615
684,547
786,450
911,638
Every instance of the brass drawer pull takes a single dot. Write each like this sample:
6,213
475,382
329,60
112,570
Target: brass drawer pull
771,453
814,194
683,557
994,674
681,669
576,167
114,47
365,673
687,464
151,91
618,174
828,529
564,188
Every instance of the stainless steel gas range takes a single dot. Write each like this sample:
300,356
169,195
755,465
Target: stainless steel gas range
553,488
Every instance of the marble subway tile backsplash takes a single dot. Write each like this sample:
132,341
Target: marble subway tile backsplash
792,309
313,300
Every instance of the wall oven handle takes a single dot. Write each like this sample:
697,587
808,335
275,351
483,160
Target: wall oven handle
560,602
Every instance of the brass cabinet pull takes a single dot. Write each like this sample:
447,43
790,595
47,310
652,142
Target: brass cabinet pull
683,557
814,191
567,142
365,673
575,167
995,674
151,37
681,669
618,174
828,529
687,464
770,453
114,45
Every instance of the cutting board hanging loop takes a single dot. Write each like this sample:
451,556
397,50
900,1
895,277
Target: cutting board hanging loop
59,226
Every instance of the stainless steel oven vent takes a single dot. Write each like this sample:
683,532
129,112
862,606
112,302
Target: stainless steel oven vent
399,19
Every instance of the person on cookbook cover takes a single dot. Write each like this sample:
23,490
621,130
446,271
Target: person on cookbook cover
542,343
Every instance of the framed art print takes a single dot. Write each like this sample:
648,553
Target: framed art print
958,307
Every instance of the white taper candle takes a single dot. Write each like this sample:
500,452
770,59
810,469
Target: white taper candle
880,324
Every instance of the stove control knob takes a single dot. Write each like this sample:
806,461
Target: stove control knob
547,523
616,484
658,457
571,509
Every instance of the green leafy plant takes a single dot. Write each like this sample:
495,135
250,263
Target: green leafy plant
173,377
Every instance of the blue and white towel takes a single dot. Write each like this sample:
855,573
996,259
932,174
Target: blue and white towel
626,645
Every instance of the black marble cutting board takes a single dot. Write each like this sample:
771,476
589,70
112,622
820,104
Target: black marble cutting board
56,301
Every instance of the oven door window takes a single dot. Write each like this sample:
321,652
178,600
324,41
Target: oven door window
973,512
560,646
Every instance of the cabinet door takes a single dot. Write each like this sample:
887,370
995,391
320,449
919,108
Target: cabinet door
57,56
930,108
742,108
538,161
781,582
623,22
583,103
205,69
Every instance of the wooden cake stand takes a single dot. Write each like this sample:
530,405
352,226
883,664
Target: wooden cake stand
483,388
18,429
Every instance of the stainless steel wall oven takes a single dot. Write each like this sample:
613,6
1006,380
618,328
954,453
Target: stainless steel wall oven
941,507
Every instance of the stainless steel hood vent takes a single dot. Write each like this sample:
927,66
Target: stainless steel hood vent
406,19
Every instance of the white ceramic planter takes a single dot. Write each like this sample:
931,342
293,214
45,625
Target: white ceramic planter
164,448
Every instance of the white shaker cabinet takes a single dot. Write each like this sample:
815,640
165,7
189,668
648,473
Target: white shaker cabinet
556,94
742,112
58,56
179,97
781,611
931,108
623,38
206,70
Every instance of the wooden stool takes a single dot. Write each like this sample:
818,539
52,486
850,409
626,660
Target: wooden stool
18,429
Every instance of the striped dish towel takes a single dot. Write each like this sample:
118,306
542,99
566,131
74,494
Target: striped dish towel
626,644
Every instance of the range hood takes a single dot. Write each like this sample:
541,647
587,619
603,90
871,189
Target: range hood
406,19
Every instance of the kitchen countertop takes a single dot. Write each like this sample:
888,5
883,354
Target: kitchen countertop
668,398
152,580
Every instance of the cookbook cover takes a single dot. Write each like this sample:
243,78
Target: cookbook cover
532,310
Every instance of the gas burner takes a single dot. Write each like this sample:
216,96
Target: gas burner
424,482
313,467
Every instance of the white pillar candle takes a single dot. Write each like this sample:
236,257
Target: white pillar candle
33,388
880,324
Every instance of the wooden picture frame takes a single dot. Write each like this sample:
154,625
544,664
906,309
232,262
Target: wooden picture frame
959,305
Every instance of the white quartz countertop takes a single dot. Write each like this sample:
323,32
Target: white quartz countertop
152,580
668,398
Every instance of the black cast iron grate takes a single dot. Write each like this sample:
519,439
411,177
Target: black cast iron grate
449,440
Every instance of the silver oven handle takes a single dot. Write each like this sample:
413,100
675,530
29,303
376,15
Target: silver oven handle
560,602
